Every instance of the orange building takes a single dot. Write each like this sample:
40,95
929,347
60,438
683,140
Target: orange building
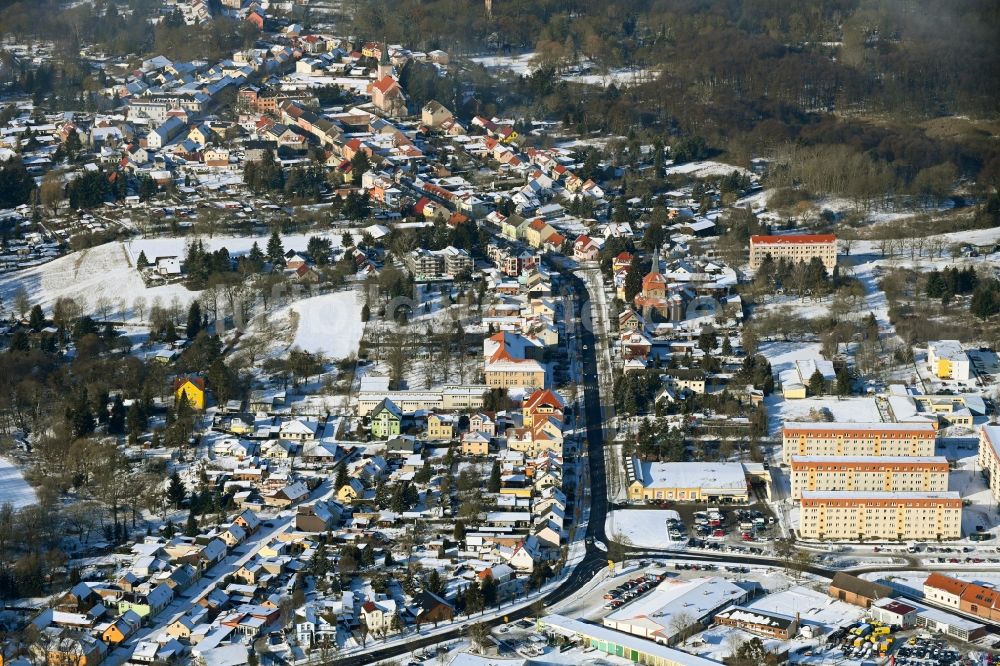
868,473
857,439
853,516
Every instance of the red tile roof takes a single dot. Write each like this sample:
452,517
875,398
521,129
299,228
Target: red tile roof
793,238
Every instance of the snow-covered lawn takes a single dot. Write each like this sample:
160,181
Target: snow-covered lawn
585,71
807,308
330,324
13,488
638,527
706,169
520,64
783,355
87,275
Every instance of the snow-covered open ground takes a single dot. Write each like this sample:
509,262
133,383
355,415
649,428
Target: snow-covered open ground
330,324
13,488
104,271
585,71
519,64
706,168
639,527
783,355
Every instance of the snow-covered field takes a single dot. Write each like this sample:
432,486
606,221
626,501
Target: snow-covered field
520,64
783,355
638,527
329,324
104,271
585,71
622,76
13,488
808,308
706,168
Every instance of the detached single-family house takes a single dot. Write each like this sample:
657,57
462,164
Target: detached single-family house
386,420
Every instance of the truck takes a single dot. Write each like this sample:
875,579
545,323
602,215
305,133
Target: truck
862,630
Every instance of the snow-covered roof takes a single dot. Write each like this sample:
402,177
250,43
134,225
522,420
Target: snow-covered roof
721,477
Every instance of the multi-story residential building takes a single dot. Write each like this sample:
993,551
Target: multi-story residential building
880,515
947,360
858,439
456,260
794,248
506,366
154,110
989,456
387,420
425,264
868,474
440,427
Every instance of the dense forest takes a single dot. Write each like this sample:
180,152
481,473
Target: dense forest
859,98
752,77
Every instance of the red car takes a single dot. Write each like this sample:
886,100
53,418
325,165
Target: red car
747,536
718,533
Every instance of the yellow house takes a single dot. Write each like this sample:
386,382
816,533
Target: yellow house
193,389
793,391
440,427
123,627
202,134
537,232
544,403
350,491
517,492
475,443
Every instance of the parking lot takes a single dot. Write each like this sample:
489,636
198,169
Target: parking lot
631,589
928,651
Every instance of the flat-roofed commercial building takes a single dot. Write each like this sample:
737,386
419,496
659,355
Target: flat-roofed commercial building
688,481
854,516
637,650
446,399
858,439
794,248
656,615
868,473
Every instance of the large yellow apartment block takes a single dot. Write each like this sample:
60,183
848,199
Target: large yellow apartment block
858,439
868,474
851,516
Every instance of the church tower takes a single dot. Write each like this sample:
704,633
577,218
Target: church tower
384,66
